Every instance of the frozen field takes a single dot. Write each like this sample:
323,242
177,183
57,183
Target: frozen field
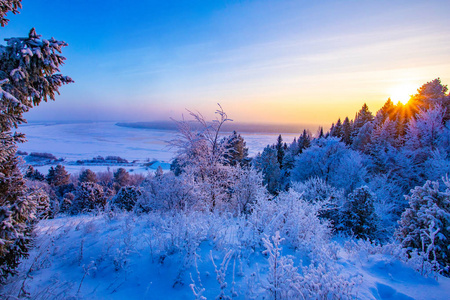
80,141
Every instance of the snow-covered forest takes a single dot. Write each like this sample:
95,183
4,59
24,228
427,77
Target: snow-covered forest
358,211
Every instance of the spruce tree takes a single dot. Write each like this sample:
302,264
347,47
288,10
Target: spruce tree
347,131
304,141
359,213
87,176
236,152
280,151
28,76
362,117
425,225
58,176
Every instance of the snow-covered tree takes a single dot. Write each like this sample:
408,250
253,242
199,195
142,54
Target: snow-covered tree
336,129
236,152
167,192
34,174
247,189
429,95
17,215
361,141
58,176
201,157
332,161
304,141
359,213
347,131
330,199
88,197
87,176
425,225
8,6
267,163
362,117
28,76
423,133
200,149
279,146
127,197
121,177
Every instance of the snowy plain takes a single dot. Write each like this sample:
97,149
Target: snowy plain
81,141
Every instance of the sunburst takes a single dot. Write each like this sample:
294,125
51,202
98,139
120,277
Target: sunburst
402,93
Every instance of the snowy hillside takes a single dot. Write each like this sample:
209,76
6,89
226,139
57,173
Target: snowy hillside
177,255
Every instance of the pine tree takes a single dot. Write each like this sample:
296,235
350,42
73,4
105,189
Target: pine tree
362,117
386,111
28,76
429,95
304,141
320,132
425,225
8,6
280,151
17,216
58,176
267,163
347,131
127,197
87,176
88,197
122,177
359,213
34,174
236,152
336,130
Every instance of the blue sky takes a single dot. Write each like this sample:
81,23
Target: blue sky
264,61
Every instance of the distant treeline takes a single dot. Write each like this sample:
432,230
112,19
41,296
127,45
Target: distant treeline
227,127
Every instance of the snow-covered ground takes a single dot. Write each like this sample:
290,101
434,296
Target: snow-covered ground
82,141
157,256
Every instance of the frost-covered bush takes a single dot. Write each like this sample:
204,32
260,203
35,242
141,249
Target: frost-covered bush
282,278
359,213
66,202
319,280
331,160
126,198
246,190
182,234
425,225
389,203
42,204
295,219
49,204
166,192
88,196
330,199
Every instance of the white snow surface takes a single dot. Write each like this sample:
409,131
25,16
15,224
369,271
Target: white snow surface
152,256
82,141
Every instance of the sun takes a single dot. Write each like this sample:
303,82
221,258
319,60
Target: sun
402,93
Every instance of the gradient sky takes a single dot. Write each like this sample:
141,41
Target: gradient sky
264,61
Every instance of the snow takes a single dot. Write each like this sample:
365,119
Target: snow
126,256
